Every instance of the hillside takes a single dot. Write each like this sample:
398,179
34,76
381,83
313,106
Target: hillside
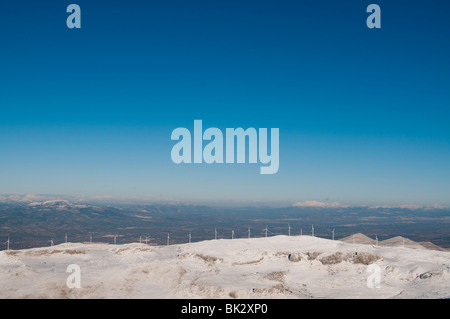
359,239
273,267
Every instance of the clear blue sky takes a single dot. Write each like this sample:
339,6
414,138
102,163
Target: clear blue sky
364,114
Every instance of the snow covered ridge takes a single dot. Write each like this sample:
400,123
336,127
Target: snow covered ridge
58,204
273,267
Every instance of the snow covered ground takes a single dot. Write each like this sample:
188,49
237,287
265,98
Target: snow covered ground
273,267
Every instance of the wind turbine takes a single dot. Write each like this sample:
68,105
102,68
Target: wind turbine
232,234
7,244
90,238
65,238
333,233
312,230
215,233
115,242
51,242
189,237
301,231
376,240
289,230
248,232
266,231
146,239
168,239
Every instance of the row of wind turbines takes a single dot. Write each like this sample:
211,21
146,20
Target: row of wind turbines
146,239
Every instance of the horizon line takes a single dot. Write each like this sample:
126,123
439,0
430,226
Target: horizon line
122,199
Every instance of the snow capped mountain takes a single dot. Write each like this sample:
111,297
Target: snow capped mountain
52,203
273,267
313,203
58,204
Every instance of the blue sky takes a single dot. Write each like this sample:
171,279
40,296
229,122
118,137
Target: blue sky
363,114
